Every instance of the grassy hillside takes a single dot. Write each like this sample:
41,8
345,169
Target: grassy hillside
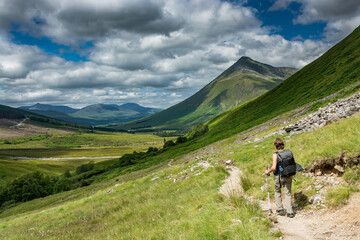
14,113
137,207
150,204
240,83
337,68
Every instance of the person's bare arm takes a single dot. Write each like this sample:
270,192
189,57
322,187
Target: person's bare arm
273,167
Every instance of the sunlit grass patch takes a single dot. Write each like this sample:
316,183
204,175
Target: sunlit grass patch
144,209
339,195
352,175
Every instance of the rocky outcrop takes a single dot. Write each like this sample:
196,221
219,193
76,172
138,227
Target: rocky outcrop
333,112
333,165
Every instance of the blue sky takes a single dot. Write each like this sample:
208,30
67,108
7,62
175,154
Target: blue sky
153,52
282,21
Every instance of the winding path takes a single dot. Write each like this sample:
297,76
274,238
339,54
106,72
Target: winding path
332,224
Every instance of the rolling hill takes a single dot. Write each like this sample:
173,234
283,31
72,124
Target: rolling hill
15,115
47,107
95,115
243,81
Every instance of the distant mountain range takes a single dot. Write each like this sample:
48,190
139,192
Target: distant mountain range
95,115
244,80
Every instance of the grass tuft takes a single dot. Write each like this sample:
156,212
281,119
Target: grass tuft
339,195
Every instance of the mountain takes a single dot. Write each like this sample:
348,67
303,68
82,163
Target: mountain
336,69
105,111
243,81
97,114
47,107
140,109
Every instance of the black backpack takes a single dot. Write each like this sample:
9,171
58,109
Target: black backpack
286,165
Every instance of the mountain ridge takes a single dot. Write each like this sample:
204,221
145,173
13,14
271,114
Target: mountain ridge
95,114
238,84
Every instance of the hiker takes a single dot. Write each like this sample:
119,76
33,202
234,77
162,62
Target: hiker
280,179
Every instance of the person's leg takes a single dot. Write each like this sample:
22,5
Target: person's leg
279,206
287,192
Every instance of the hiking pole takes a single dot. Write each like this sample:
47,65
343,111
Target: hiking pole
268,188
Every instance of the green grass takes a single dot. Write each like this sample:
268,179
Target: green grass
339,195
98,144
140,209
352,175
253,158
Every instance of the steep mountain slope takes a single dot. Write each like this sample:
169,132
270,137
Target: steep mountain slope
337,68
243,81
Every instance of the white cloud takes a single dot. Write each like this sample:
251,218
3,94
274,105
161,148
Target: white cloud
170,48
341,16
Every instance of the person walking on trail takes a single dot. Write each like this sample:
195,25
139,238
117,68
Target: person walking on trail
283,160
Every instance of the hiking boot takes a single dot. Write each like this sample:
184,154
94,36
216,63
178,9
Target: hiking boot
290,215
281,212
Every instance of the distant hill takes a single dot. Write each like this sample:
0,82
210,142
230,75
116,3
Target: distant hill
47,107
243,81
10,113
97,114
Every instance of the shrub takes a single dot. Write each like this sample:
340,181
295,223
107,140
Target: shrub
152,149
197,131
125,160
63,184
181,140
169,143
67,174
85,167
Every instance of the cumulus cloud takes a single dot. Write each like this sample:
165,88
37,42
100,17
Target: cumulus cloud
341,16
152,52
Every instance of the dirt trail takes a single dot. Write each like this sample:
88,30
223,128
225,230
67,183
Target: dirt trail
232,184
333,224
340,223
